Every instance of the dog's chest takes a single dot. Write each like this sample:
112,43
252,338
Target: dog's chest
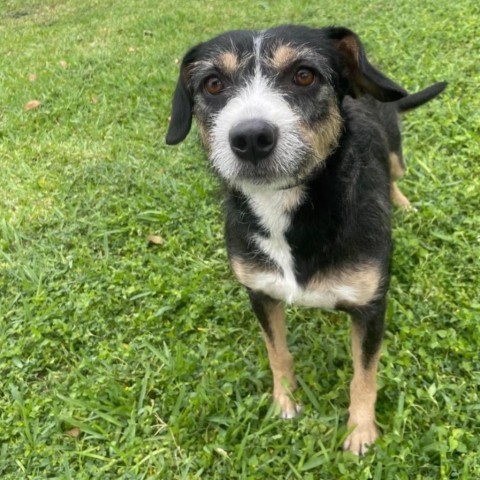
274,211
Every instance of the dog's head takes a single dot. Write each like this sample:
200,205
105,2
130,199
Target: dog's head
268,103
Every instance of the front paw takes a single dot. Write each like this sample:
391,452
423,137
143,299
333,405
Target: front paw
361,437
287,408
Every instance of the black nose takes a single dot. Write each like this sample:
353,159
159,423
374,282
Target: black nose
253,140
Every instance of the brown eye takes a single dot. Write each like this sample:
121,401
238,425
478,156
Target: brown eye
213,85
303,77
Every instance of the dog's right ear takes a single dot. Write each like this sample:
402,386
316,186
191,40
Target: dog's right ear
182,104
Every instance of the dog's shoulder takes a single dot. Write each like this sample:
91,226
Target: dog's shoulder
365,120
365,145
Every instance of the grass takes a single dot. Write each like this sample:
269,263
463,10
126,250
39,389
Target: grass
126,359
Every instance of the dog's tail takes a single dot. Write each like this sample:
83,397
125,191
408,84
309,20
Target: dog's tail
423,96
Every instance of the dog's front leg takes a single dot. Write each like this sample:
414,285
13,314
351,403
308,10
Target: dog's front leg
271,316
367,333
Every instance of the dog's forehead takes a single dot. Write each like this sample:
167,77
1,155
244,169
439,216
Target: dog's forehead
277,47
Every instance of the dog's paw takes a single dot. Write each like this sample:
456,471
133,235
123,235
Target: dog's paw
361,438
407,207
400,200
286,406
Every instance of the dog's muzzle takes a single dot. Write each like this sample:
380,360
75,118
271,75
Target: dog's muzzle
253,140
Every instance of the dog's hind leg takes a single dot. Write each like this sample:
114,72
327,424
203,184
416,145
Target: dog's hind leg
271,316
397,169
367,333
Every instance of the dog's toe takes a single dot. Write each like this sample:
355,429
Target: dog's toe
288,408
291,412
361,438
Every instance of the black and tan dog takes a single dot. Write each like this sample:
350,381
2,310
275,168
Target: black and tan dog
294,123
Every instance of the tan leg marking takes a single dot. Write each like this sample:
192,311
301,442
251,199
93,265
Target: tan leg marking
398,198
363,395
281,363
396,168
397,171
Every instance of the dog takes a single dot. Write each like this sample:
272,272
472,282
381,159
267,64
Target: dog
301,129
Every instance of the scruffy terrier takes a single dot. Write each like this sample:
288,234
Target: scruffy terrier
303,131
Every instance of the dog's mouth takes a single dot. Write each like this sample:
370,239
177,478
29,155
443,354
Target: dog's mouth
267,171
263,174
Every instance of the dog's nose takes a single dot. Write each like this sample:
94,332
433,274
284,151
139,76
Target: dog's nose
253,140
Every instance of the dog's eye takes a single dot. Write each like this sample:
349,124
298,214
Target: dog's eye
213,85
303,77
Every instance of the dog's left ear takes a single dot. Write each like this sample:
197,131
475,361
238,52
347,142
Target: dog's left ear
362,76
182,104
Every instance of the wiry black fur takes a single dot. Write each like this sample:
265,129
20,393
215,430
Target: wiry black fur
419,98
343,220
345,216
323,40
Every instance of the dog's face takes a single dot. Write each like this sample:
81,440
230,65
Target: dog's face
268,103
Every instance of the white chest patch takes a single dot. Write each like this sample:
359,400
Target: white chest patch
353,286
273,209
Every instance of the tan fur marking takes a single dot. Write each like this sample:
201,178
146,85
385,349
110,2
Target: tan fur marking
283,56
397,171
244,272
364,279
204,136
349,46
363,395
323,136
359,284
281,362
398,198
228,62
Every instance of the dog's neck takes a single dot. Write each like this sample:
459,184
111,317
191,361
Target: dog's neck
274,208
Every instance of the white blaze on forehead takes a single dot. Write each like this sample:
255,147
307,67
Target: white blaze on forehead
257,99
257,45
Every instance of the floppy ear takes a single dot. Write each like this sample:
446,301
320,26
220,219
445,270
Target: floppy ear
363,77
182,105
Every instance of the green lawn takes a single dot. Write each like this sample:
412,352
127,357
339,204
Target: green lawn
126,359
